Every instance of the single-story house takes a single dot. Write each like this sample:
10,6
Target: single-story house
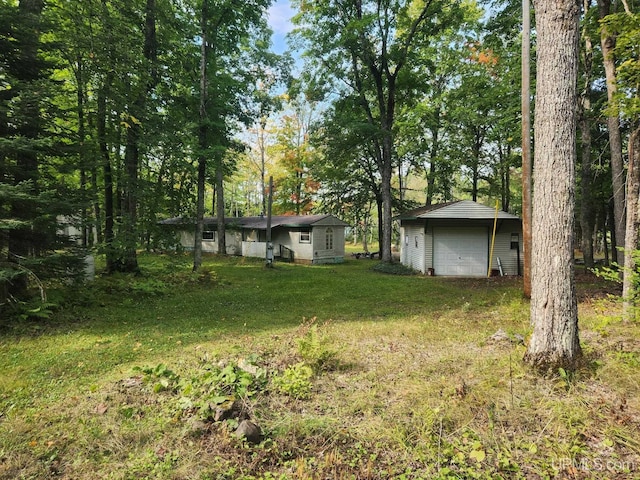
455,239
302,238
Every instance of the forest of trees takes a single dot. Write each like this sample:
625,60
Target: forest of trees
116,114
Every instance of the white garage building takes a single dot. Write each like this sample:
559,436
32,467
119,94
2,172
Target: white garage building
454,239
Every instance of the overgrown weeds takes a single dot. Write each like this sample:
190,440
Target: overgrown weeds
315,347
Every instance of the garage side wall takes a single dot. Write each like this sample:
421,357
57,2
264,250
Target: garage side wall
412,249
502,248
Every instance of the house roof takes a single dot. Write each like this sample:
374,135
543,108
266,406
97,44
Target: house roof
459,210
260,223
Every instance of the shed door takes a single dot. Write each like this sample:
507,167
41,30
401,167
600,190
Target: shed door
461,251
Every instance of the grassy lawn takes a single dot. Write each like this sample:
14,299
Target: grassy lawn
348,372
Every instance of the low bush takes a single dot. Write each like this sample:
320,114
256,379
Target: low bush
393,268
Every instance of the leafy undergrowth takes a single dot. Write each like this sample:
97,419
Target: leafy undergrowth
343,388
393,269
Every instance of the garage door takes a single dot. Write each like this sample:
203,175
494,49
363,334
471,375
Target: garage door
461,251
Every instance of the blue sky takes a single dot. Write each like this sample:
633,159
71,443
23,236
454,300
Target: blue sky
280,14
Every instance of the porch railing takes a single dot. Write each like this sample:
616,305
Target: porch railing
286,254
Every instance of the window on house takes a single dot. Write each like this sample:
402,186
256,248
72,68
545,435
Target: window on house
329,239
305,236
208,235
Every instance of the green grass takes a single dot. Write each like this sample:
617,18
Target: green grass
407,382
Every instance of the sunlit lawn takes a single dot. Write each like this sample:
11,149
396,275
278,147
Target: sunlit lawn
416,387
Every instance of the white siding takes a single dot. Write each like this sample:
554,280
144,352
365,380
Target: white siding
233,241
403,248
322,254
502,248
413,247
301,250
428,248
254,249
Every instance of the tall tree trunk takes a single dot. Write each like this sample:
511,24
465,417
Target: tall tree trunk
128,261
101,127
606,231
505,177
586,204
101,130
222,231
525,100
611,224
365,234
387,199
387,114
261,144
199,227
608,44
97,212
633,224
554,314
379,209
219,181
431,180
474,183
82,157
385,81
298,190
433,155
401,184
22,242
475,165
202,141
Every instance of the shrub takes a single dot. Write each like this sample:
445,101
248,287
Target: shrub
315,348
222,385
393,268
295,381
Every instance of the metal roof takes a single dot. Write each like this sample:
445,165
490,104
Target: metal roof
260,222
461,209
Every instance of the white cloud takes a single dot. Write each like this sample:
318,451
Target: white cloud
280,14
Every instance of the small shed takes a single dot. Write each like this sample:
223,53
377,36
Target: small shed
301,238
454,239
